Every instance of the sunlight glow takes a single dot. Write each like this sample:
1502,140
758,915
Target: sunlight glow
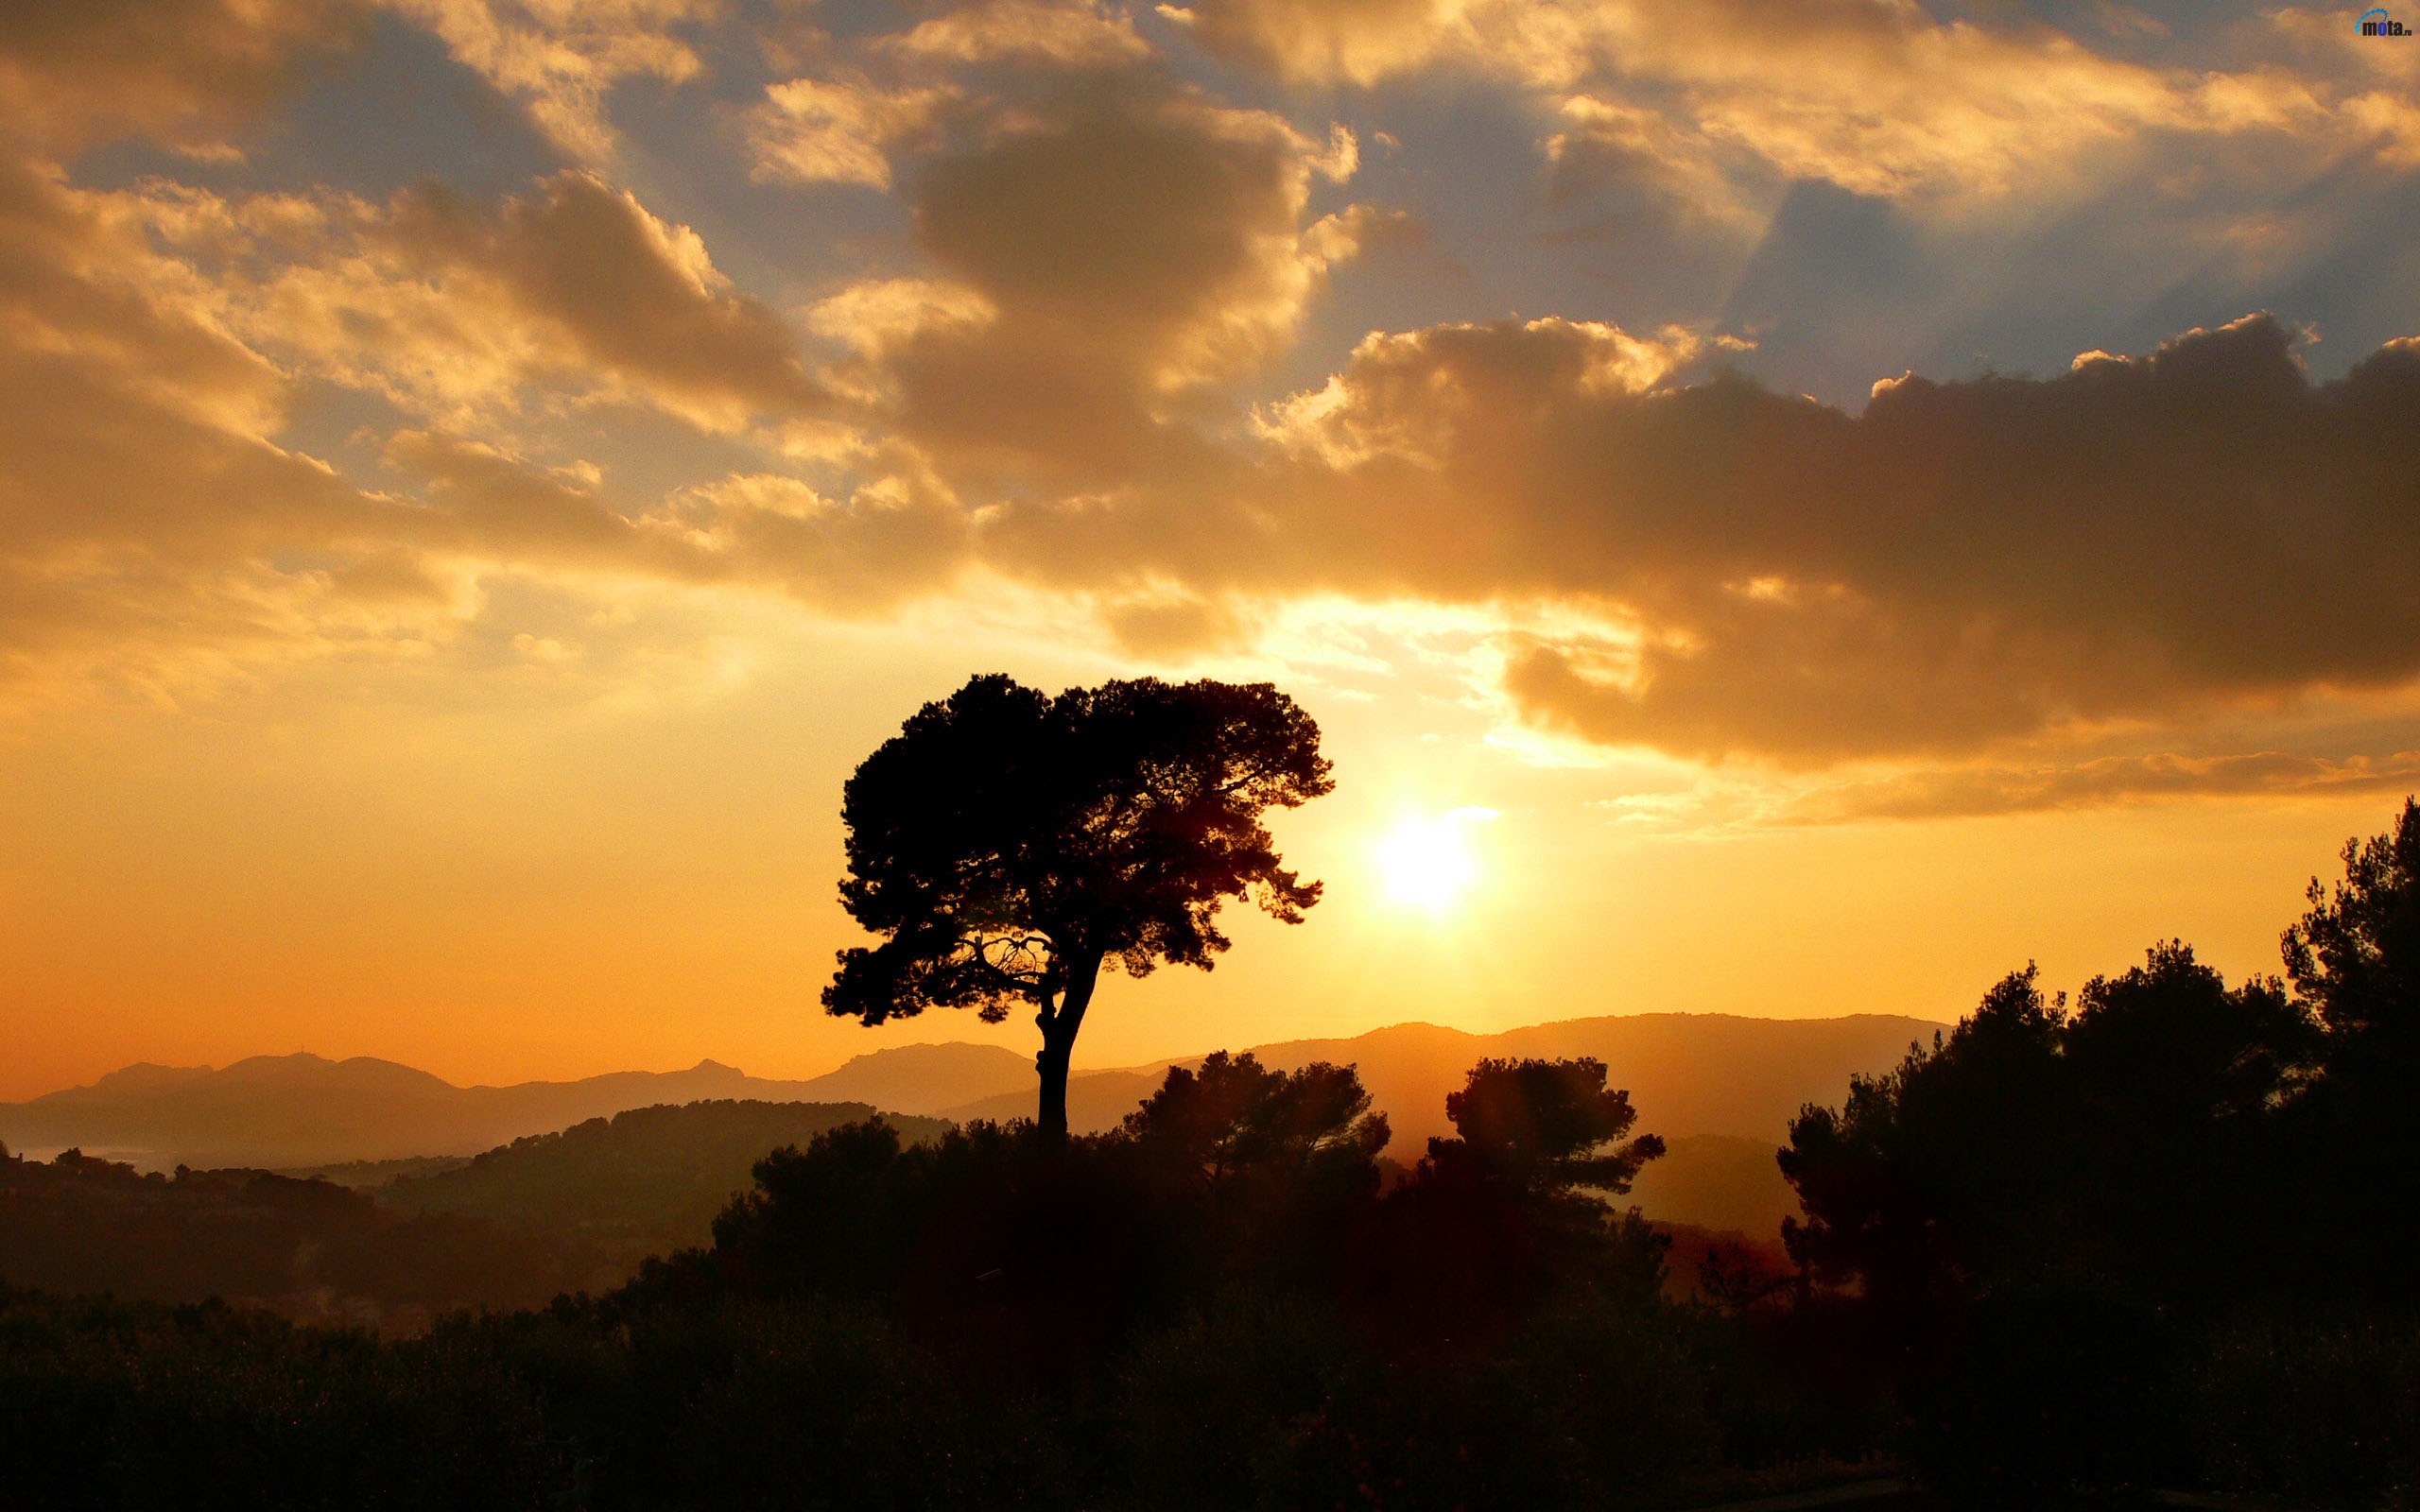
1428,861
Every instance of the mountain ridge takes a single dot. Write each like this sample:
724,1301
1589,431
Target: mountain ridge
304,1109
1689,1074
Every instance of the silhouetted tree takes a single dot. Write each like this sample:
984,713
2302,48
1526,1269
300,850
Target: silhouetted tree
1517,1207
1236,1115
1942,1167
2355,957
1262,1171
1544,1124
2355,961
2144,1139
2181,1082
1009,844
2033,1206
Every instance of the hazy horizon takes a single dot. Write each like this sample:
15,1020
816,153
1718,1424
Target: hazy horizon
1082,1068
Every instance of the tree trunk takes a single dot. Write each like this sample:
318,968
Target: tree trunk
1059,1046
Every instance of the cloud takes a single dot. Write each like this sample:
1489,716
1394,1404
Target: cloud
636,298
1876,96
1962,792
449,307
1131,247
1094,262
155,535
187,75
849,121
562,58
1359,42
839,130
152,534
1964,564
891,540
1069,33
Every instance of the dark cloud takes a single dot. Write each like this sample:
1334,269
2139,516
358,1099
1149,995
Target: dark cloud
1964,563
1132,244
2116,780
187,74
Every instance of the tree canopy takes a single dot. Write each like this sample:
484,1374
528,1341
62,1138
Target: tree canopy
1545,1124
1009,844
2354,956
1235,1114
2354,963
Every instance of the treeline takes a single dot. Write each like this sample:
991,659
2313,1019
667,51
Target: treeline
2056,1218
2158,1238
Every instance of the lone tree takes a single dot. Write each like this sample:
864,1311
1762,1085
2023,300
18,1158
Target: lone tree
1009,844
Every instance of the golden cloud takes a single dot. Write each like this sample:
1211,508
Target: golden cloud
1973,792
1874,95
560,57
839,130
1069,33
449,307
1130,246
187,75
1963,564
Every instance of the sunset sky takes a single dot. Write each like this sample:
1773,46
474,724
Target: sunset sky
1820,502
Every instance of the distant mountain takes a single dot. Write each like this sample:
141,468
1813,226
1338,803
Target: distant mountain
1687,1074
305,1110
645,1182
922,1079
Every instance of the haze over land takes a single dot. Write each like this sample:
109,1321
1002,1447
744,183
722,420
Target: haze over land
305,1110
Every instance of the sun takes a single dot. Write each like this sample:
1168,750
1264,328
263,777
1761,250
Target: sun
1428,861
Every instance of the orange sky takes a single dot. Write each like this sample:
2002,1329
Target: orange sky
1868,494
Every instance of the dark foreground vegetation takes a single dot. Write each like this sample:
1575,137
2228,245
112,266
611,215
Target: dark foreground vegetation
2161,1237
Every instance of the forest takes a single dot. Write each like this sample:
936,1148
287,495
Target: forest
2153,1239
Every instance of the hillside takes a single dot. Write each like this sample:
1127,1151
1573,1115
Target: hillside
922,1079
1719,1182
305,1110
646,1182
308,1249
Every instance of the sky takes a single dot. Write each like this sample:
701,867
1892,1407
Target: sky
1812,505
